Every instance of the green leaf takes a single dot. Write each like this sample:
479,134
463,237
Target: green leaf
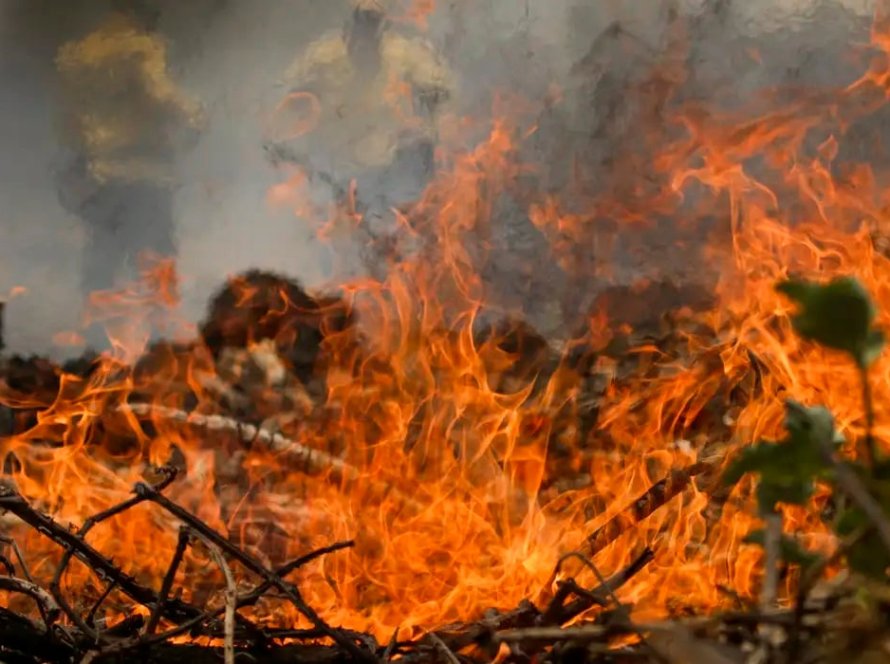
868,556
791,491
754,459
789,549
788,469
838,315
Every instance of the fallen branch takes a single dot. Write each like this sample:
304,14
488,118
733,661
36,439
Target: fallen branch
559,611
294,455
643,507
550,635
306,459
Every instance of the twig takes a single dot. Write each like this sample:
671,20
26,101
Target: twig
307,558
607,588
387,654
6,564
527,615
230,599
56,583
557,614
444,649
18,556
14,502
49,610
252,564
284,570
853,487
91,522
247,599
167,583
91,615
462,635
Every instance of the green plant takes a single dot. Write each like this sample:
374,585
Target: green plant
839,315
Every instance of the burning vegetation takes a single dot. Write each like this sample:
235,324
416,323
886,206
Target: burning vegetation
405,468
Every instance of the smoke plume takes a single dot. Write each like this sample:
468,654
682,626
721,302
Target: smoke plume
232,55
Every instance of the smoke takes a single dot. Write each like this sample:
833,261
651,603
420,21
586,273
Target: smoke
224,223
231,55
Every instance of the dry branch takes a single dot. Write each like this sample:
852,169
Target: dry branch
292,454
12,501
49,610
643,507
252,564
167,583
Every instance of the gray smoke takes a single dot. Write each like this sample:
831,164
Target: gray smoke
230,54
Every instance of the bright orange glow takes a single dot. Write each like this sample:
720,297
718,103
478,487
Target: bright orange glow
415,12
297,114
465,473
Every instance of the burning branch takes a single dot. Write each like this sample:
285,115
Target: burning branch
310,461
49,610
12,501
290,591
643,507
167,584
185,615
295,455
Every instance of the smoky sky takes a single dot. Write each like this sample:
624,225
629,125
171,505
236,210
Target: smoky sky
231,54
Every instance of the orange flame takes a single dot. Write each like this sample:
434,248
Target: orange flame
450,449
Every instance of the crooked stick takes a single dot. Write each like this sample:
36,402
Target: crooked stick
252,564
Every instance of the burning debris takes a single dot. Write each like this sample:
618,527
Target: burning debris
120,615
410,469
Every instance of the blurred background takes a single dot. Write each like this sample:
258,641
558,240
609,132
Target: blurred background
231,56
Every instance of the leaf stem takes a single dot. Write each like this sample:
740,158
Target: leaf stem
772,545
871,454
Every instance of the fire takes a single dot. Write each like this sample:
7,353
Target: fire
415,12
445,453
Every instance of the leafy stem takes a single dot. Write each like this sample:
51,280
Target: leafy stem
870,449
838,315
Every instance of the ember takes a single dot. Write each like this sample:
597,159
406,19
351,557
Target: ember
408,465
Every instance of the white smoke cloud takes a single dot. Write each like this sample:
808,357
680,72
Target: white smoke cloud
230,54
